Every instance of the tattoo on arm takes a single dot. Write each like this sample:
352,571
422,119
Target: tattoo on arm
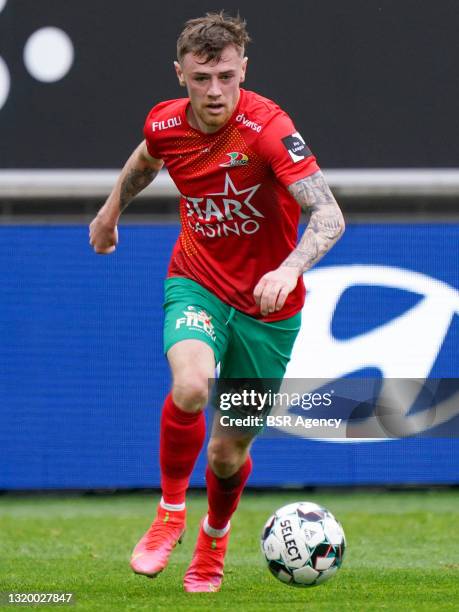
135,181
326,223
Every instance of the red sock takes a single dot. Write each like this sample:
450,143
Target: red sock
181,439
223,494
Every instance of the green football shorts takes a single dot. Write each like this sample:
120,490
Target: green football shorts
246,348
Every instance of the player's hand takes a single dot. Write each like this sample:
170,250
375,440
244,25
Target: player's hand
274,287
103,236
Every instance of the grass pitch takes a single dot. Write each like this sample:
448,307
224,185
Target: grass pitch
403,553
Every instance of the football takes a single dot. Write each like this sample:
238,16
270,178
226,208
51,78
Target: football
303,544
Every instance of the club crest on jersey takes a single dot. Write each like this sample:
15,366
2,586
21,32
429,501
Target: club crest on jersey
235,159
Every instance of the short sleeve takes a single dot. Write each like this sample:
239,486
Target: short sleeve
148,134
286,151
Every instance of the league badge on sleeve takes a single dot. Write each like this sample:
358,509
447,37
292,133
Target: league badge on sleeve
296,147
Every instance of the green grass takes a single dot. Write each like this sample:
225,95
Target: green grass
402,553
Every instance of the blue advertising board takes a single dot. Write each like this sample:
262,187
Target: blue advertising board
83,377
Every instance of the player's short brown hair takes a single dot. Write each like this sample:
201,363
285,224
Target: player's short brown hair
208,36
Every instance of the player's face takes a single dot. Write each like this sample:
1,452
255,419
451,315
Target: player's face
213,88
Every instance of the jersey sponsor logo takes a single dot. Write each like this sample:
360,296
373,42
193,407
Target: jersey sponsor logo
235,159
198,320
157,126
218,215
296,147
241,118
403,349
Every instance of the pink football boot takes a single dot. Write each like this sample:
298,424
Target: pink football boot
152,553
205,573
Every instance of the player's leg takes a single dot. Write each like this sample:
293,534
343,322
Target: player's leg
183,427
256,350
182,434
192,344
229,466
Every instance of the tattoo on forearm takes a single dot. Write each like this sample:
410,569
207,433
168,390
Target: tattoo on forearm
312,191
326,223
135,181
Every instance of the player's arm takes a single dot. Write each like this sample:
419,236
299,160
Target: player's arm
326,222
325,227
137,173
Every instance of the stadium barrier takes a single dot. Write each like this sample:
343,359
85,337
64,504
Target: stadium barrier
361,183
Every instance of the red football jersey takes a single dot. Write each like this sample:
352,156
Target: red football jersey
238,219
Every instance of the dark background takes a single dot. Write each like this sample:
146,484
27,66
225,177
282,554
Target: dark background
368,83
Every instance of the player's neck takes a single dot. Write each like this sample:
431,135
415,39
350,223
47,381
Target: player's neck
197,124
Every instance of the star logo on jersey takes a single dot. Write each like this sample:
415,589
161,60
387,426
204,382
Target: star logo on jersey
225,213
235,159
250,190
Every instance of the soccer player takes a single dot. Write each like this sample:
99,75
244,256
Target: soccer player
234,289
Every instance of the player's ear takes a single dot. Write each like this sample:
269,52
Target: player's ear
179,73
243,70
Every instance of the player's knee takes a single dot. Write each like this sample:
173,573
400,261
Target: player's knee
225,456
191,393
